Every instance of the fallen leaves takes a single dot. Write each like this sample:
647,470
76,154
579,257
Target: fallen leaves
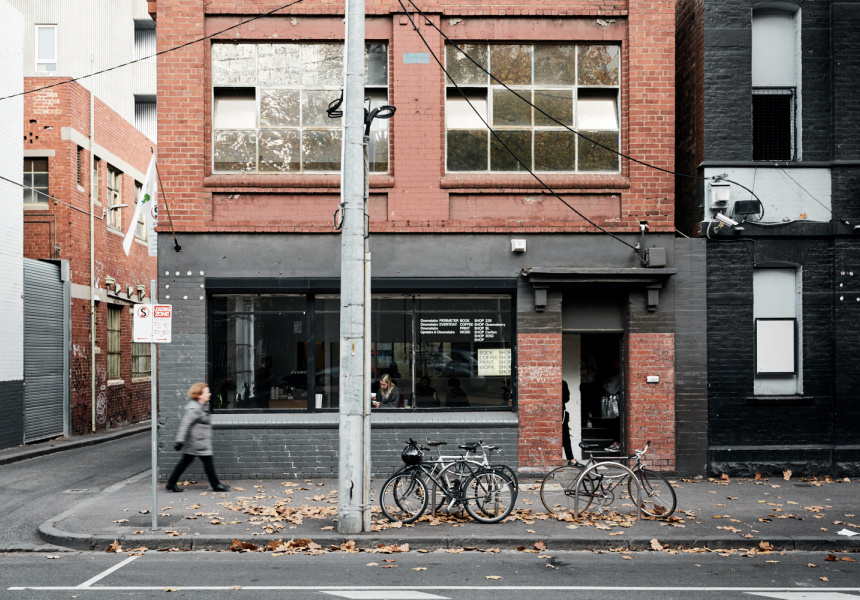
786,474
493,576
655,545
114,547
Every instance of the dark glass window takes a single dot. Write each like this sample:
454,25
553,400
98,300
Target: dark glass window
773,124
451,352
36,177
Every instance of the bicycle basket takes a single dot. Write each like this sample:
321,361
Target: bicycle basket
411,455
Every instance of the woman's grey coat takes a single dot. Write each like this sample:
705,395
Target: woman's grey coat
195,430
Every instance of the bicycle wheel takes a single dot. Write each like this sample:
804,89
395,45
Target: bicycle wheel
606,481
509,473
658,497
403,497
557,493
489,496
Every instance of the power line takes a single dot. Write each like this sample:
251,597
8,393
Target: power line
131,62
499,139
27,187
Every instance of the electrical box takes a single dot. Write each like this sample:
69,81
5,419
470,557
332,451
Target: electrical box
655,257
518,245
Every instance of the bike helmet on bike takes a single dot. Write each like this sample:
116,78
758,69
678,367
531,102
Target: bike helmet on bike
411,455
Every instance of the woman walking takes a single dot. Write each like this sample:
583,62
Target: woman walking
195,439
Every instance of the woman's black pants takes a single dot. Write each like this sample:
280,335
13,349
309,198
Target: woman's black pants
186,460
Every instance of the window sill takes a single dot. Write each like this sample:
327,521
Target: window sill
379,420
779,400
140,379
115,231
41,206
285,183
492,183
113,382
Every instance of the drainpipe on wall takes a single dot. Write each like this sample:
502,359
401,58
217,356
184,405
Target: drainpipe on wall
93,192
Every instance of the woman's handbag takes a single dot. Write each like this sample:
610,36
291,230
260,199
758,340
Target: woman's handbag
609,406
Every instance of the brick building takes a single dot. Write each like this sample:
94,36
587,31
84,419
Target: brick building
251,167
767,119
58,146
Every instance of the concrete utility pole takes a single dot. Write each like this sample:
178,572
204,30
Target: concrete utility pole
354,463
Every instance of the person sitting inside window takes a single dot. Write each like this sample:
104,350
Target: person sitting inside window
456,395
425,394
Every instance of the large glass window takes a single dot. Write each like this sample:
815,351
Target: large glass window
442,352
571,86
270,101
46,48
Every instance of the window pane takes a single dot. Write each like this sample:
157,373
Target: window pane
327,353
235,109
378,152
511,64
279,108
555,151
235,150
461,69
40,181
233,64
597,109
46,47
555,103
554,64
773,124
46,67
280,150
467,150
594,158
519,142
278,64
322,64
458,112
314,105
512,109
773,55
321,150
598,65
36,164
376,61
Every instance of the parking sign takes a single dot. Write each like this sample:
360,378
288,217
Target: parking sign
161,323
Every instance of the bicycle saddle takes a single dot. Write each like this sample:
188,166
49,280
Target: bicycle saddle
590,446
469,447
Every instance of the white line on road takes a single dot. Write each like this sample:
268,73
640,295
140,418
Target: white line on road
387,594
805,595
104,574
544,588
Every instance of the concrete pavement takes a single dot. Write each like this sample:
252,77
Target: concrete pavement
739,515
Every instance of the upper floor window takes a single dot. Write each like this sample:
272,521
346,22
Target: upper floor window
774,81
36,177
114,198
270,101
777,310
575,86
46,48
144,39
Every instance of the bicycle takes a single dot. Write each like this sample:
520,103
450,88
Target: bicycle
565,488
450,466
486,494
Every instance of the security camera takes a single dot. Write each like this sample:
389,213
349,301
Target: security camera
726,220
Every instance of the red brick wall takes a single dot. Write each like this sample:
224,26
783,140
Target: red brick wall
539,393
420,196
46,113
651,406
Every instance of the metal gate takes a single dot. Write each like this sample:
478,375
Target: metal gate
46,342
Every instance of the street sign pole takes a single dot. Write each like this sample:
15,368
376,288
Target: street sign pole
153,368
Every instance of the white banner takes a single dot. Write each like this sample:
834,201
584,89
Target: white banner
147,193
151,222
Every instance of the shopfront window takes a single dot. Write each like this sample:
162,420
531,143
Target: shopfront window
442,352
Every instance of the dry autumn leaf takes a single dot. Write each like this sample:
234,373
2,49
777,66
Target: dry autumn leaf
51,556
830,558
419,568
655,545
115,547
765,545
493,576
811,565
824,579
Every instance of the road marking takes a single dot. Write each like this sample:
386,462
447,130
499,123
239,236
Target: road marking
805,595
104,574
453,588
387,595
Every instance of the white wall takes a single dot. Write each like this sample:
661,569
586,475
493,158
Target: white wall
787,193
101,29
11,196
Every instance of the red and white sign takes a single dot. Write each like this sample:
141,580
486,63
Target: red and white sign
152,323
162,315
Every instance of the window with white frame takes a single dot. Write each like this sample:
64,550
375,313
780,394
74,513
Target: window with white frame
36,177
269,107
114,347
114,198
778,330
140,226
774,85
46,48
141,359
571,86
94,178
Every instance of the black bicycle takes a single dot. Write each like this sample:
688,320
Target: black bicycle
487,494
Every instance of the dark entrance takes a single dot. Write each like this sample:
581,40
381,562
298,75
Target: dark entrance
601,373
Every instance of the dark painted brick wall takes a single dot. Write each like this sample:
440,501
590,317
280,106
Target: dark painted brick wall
12,407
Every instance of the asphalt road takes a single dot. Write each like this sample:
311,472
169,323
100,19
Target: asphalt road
432,575
34,490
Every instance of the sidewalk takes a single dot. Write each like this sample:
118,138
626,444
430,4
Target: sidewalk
739,515
18,453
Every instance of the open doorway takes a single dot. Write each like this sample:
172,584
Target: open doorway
591,364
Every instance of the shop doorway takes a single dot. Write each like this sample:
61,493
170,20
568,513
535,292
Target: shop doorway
592,364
